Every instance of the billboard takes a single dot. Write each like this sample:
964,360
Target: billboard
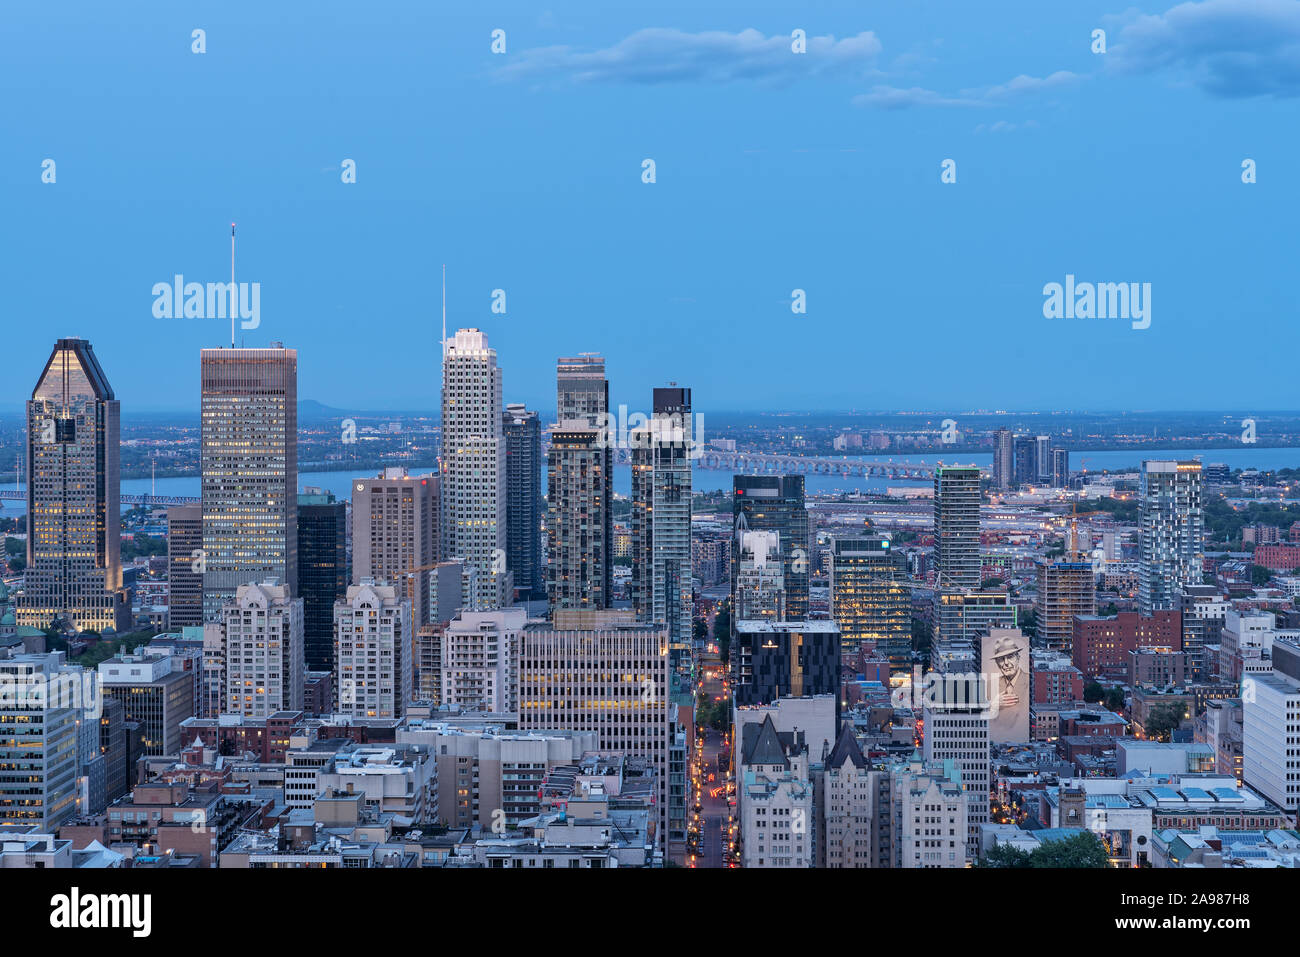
1005,658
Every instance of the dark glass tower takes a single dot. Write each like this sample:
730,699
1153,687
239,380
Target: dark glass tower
322,573
523,496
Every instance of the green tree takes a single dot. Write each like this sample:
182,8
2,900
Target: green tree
1006,855
1259,575
1162,720
1115,699
1093,692
1082,850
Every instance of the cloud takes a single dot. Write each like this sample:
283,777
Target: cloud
1002,126
896,98
1229,48
659,55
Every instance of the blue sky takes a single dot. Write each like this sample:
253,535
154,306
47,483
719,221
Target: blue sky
775,171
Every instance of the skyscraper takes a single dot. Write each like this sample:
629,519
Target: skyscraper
250,470
395,534
264,653
957,525
579,487
1026,459
39,731
870,597
1043,456
775,503
1004,459
661,520
1060,468
1171,549
322,572
1065,588
74,570
184,575
523,500
473,465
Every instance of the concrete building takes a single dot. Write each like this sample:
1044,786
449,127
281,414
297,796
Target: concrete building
759,592
395,534
1066,589
957,526
848,806
249,462
1003,460
264,660
154,694
1271,729
473,490
42,704
480,661
579,496
397,780
612,679
374,651
74,569
927,815
956,714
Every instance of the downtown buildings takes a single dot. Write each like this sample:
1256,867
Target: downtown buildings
775,503
373,652
395,539
523,433
870,598
322,572
74,572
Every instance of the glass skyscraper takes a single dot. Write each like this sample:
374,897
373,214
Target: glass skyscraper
775,503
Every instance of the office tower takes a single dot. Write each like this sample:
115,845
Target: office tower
581,389
956,715
523,433
775,503
785,659
579,490
1270,728
264,650
927,816
1065,589
480,661
957,526
184,566
112,745
39,739
322,573
74,569
395,521
373,647
1060,468
473,465
1004,458
1043,457
661,521
1026,459
612,678
1171,549
870,598
760,583
250,471
155,694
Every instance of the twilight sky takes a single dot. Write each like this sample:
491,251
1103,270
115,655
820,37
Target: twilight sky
774,170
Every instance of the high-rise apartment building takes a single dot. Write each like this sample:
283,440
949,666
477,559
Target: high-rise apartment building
395,520
579,492
956,714
1004,459
1060,468
523,434
775,503
870,598
1026,459
249,461
1043,456
264,650
957,526
322,572
374,652
480,661
1171,548
1065,589
184,567
661,520
473,465
74,569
